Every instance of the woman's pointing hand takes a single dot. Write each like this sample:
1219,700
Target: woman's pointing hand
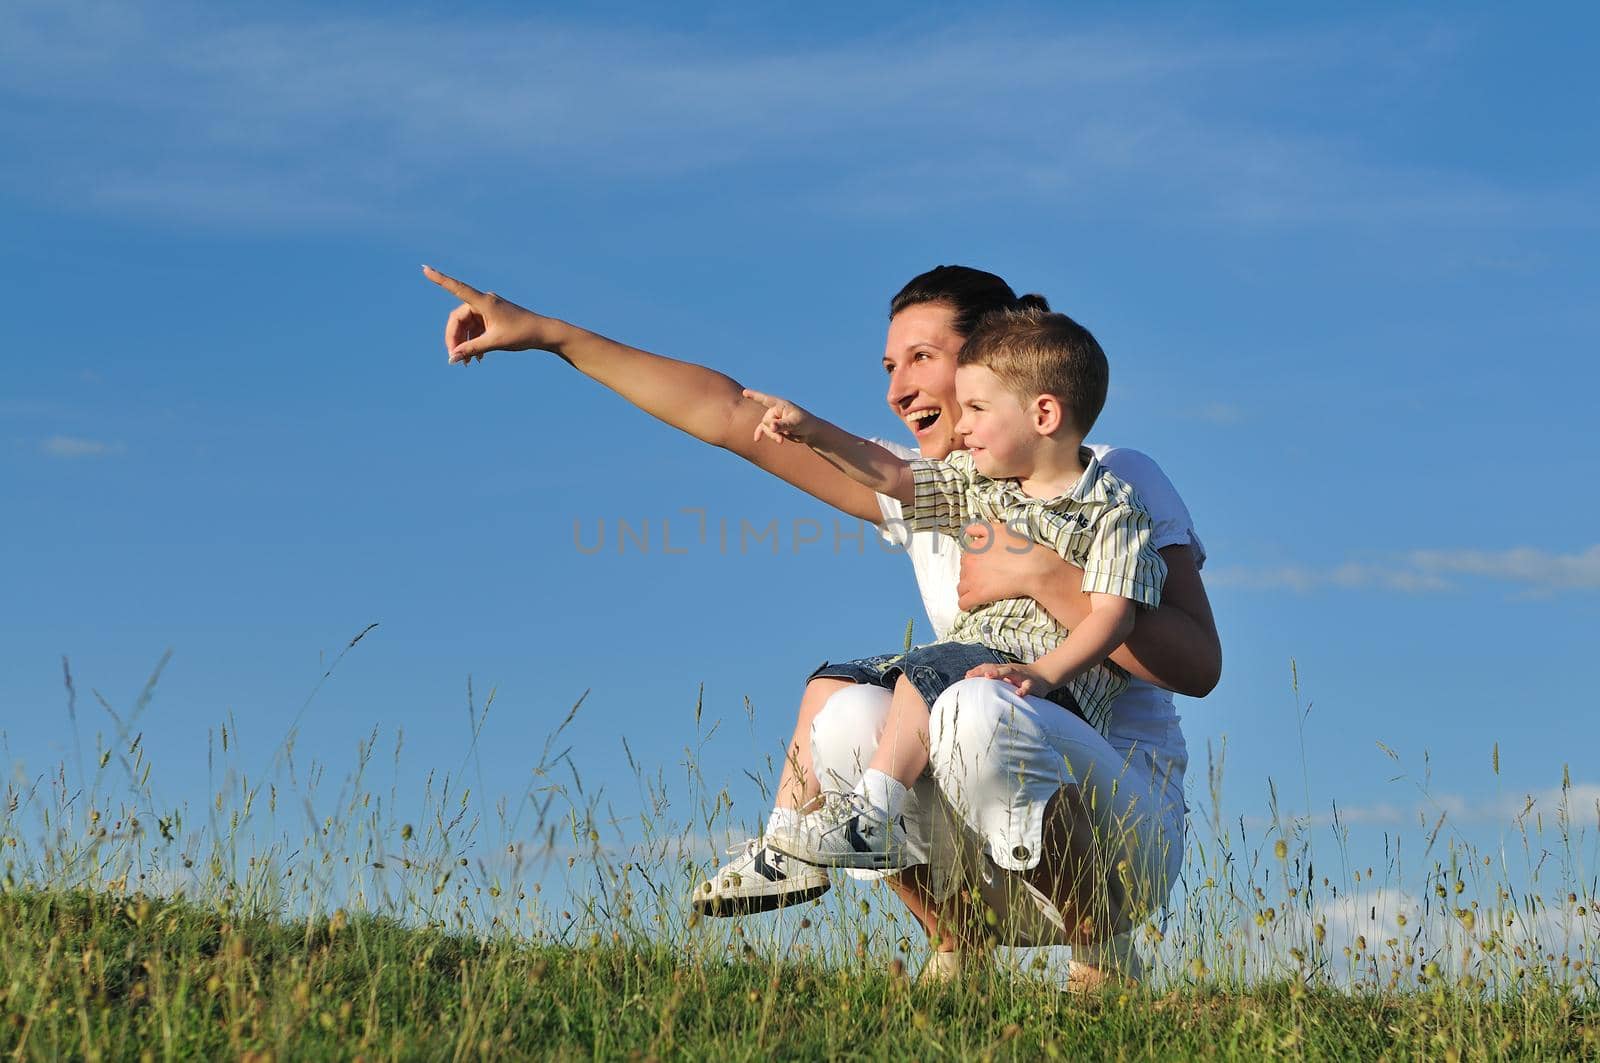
485,322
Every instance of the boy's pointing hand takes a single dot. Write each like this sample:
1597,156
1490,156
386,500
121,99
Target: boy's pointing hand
783,420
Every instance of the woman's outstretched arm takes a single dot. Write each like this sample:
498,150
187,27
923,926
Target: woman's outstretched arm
692,398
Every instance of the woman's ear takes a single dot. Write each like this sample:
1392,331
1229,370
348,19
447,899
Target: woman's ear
1048,414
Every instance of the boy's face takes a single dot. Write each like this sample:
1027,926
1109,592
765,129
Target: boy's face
995,426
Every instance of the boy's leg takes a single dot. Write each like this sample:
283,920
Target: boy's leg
902,752
862,828
843,739
844,736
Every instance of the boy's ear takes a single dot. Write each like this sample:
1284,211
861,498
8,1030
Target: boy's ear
1048,414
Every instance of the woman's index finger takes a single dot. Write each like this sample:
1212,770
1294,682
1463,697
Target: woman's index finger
465,292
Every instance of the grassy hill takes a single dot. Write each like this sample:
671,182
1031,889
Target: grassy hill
103,976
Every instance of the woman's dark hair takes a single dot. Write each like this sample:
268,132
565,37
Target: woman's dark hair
971,293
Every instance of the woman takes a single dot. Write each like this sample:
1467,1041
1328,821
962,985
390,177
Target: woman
1105,843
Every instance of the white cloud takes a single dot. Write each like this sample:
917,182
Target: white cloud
1352,575
1580,802
195,111
1220,413
78,447
1537,570
1427,571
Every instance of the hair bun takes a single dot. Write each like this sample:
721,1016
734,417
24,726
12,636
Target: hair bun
1033,301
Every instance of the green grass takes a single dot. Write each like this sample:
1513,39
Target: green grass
99,976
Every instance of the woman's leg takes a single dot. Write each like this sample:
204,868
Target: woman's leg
1078,832
797,783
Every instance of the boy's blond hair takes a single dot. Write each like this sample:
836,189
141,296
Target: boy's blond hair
1036,352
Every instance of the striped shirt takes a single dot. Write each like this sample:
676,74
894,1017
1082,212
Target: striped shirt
1098,526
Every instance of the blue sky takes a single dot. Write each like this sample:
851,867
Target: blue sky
1343,265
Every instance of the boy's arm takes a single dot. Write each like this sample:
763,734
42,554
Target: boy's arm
1175,646
1107,626
1174,643
860,459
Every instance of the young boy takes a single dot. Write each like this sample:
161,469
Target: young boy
1030,385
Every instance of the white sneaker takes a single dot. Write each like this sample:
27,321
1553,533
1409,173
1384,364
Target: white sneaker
757,879
846,831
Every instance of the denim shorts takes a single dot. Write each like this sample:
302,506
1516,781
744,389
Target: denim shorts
932,669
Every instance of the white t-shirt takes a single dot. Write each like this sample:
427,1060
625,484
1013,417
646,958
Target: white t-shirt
1142,713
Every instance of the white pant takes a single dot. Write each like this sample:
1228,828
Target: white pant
994,760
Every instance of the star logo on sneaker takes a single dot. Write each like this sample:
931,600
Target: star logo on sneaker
863,833
769,864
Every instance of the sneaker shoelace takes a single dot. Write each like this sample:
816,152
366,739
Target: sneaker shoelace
844,803
842,806
751,846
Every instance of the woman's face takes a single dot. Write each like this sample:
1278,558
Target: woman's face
920,358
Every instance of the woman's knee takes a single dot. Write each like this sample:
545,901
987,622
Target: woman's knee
965,722
845,730
817,694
